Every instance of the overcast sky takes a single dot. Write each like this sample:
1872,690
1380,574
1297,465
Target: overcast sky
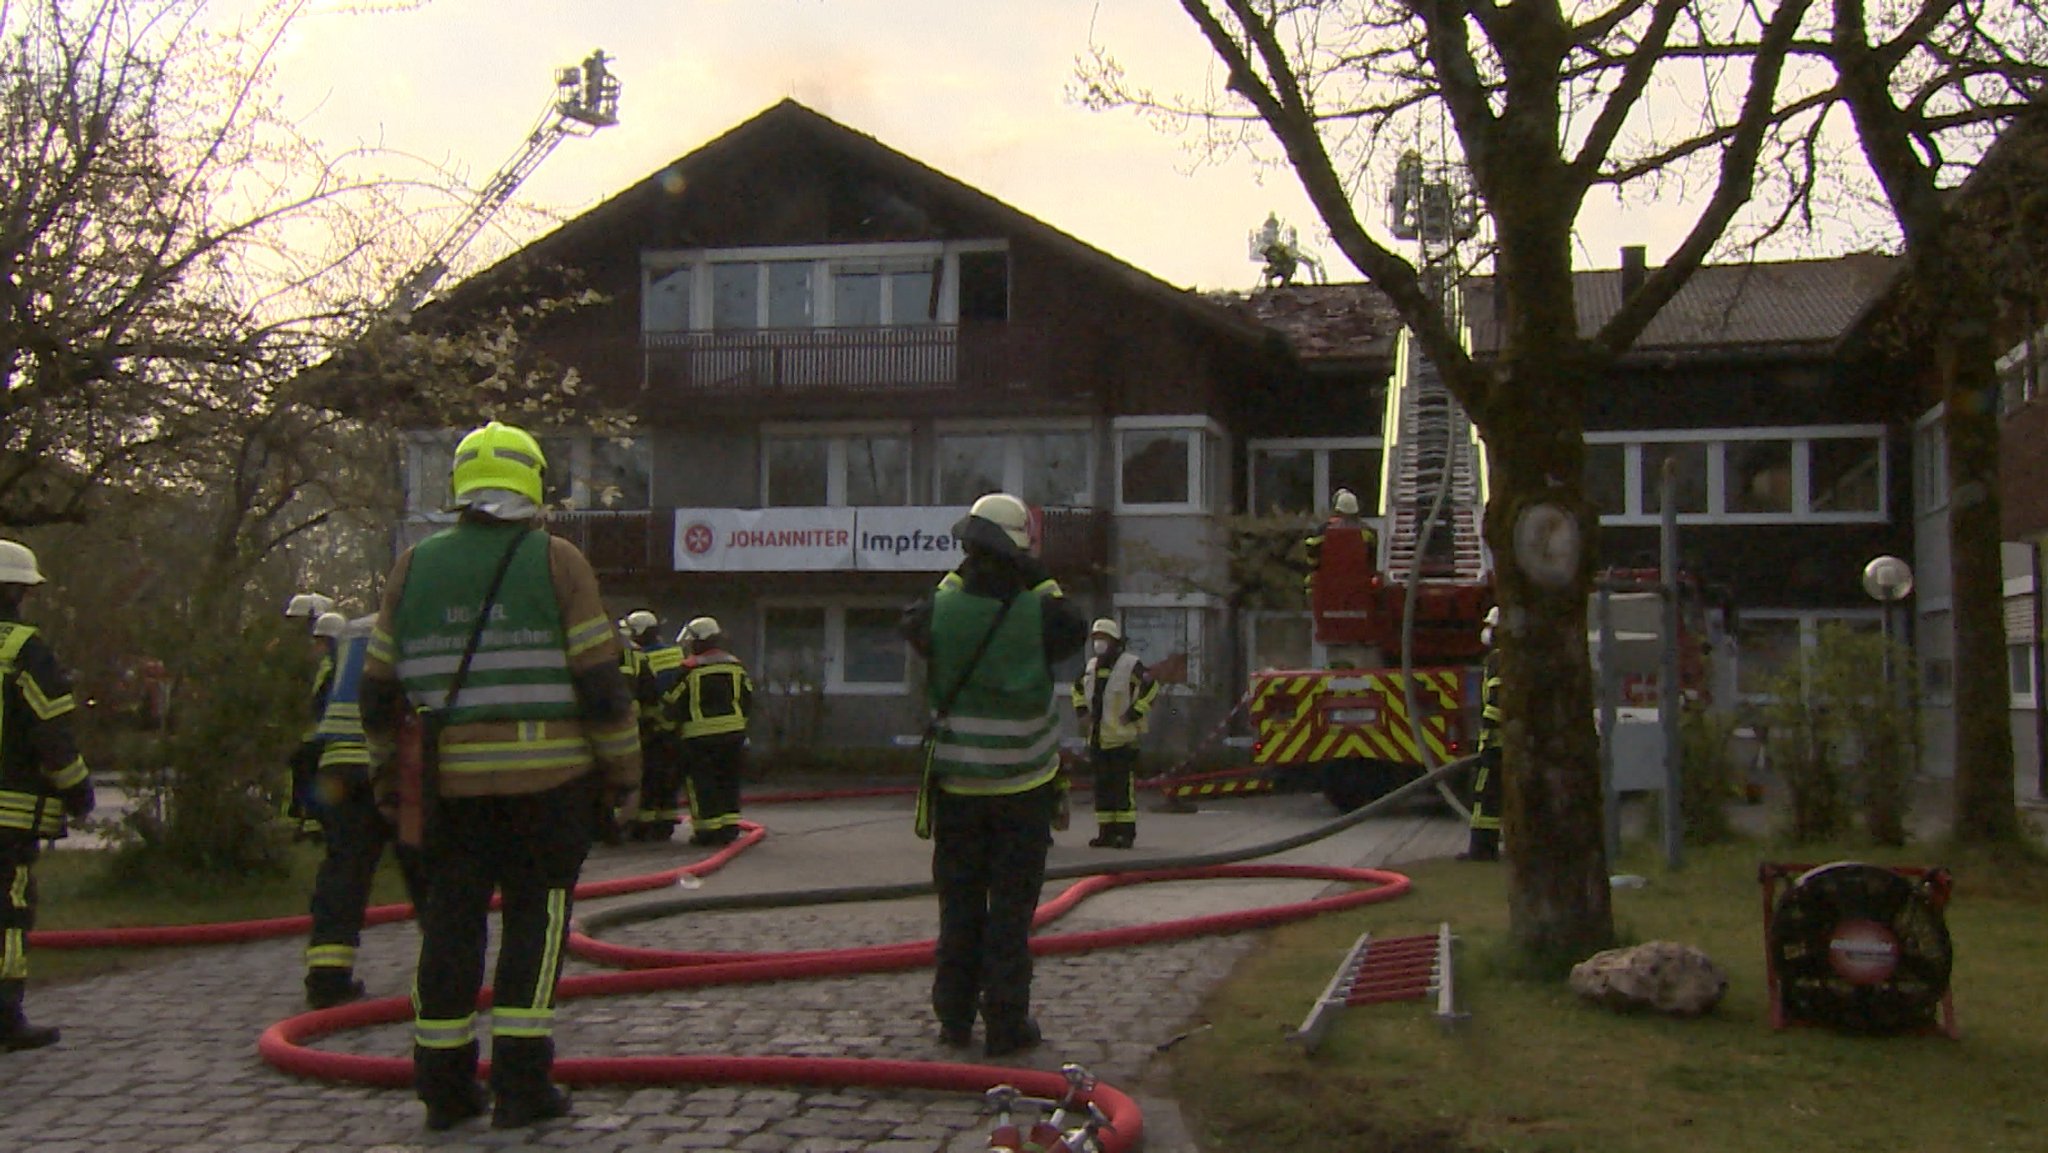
974,88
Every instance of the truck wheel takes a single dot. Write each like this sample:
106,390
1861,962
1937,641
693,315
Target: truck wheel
1353,784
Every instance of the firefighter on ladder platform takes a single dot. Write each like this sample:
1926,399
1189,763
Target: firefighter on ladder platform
1112,698
1486,779
1343,582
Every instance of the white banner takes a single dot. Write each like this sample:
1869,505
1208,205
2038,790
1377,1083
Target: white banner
763,539
914,539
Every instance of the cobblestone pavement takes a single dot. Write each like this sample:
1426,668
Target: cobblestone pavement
162,1057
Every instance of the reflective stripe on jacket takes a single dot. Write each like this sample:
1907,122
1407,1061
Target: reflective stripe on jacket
28,789
1002,732
712,697
1108,695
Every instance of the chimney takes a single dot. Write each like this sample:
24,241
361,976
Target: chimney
1634,267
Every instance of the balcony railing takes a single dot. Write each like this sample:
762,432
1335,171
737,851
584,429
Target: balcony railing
918,358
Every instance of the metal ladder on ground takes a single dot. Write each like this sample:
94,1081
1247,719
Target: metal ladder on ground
1433,443
1388,969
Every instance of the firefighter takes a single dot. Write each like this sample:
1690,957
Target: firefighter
1343,518
356,831
1484,843
324,626
658,666
527,732
992,789
43,781
708,706
1113,699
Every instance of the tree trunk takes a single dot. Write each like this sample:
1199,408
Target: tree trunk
1543,535
1966,356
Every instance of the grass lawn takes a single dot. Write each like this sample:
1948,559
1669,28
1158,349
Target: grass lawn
75,893
1533,1069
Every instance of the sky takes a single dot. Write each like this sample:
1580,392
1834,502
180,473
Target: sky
977,89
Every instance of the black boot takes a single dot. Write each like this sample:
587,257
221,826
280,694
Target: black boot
328,987
445,1080
1005,1039
519,1081
15,1031
1103,839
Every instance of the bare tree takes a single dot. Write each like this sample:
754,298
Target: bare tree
1545,102
1925,84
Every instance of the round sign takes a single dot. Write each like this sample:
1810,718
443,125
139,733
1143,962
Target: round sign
698,539
1863,952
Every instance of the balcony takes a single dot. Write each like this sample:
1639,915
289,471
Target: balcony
1074,542
922,360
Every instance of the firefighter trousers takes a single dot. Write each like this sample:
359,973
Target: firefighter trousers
715,765
18,853
661,780
1116,791
1486,803
530,848
988,864
356,835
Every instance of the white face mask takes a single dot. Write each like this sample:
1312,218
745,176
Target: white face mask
1101,647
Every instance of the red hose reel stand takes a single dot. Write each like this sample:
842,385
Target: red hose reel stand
1857,947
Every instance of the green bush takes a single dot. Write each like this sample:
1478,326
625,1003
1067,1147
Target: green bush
1843,740
1708,782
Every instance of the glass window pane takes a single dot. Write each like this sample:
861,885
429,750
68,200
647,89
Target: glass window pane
796,471
1283,481
1155,466
1765,647
1282,643
1606,478
793,654
667,305
621,471
969,467
1357,469
735,296
856,299
1055,468
910,297
1843,474
789,294
1688,477
1759,476
1160,638
875,652
2019,669
558,479
877,470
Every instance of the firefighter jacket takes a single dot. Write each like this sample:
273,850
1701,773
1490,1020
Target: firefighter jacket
544,701
344,752
1001,733
1490,715
323,683
1114,700
1312,545
41,773
711,696
658,668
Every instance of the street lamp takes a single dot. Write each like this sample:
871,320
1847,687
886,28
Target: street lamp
1888,580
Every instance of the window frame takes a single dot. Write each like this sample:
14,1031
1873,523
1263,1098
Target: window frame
1322,447
1717,441
836,435
582,445
834,656
1206,439
1013,453
825,261
1196,608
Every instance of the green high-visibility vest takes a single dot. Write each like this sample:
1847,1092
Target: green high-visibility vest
1002,734
521,668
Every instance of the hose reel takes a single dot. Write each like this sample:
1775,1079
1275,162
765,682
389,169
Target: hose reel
1858,947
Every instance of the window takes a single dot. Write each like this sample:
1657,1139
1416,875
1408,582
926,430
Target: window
1930,465
1755,476
558,480
1043,467
1158,466
2020,372
665,307
584,471
2019,674
1282,642
1770,642
842,649
842,286
1168,640
837,469
430,458
1298,476
621,473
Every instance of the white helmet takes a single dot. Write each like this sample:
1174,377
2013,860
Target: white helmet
700,629
18,564
1346,502
308,605
1492,619
1492,616
1008,513
640,620
329,625
1106,627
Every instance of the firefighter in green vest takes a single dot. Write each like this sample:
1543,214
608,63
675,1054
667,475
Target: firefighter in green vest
43,781
658,666
708,706
991,632
494,635
1113,700
1484,841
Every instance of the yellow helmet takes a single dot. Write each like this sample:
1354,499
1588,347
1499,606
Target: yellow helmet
499,456
1008,513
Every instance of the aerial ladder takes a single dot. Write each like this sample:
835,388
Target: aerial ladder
586,99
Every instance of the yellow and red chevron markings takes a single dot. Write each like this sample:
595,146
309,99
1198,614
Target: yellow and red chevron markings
1338,714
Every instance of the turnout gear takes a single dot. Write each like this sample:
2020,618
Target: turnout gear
529,729
1484,842
990,631
44,783
1113,699
356,832
658,668
708,707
